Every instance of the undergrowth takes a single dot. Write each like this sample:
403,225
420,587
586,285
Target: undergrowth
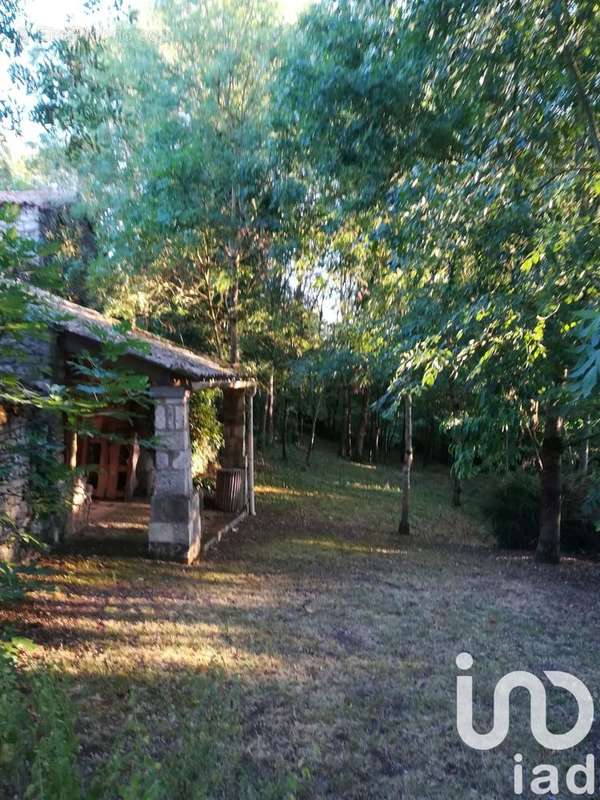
40,748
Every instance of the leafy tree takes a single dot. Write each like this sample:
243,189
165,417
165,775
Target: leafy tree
15,32
186,219
482,176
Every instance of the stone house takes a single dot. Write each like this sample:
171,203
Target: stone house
110,463
46,217
40,210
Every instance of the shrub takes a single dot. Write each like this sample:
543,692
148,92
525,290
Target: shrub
205,429
580,525
16,739
514,511
40,749
54,769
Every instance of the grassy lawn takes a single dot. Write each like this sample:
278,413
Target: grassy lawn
314,654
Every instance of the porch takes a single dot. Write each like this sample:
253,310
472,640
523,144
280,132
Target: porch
150,445
133,496
120,529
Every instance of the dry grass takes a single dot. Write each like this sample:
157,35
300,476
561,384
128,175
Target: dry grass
336,639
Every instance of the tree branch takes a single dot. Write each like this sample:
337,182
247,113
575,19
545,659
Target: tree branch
573,67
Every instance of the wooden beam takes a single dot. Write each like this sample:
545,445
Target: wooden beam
225,529
198,386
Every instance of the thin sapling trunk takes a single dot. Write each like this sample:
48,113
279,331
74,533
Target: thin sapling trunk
284,428
404,526
271,410
363,427
313,429
456,491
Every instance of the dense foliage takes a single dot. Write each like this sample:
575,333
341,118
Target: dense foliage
469,131
384,208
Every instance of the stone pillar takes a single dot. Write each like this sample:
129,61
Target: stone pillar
234,428
175,509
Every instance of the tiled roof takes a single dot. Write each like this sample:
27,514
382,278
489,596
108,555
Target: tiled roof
89,324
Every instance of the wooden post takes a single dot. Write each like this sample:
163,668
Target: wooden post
234,428
72,449
132,467
250,450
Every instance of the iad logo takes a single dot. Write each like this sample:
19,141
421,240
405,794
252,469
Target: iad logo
537,694
546,779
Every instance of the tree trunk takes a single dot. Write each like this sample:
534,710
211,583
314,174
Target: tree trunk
404,526
216,326
363,426
430,448
342,408
568,54
376,433
284,428
456,491
263,423
293,425
348,424
313,430
234,344
271,410
390,432
548,548
331,411
584,450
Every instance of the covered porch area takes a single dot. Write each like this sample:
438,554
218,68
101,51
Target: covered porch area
120,529
135,500
134,471
181,525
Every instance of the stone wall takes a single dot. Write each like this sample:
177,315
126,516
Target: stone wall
29,224
37,361
81,505
39,217
34,358
14,477
47,217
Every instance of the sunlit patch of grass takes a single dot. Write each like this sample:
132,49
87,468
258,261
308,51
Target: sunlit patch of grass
286,493
344,547
365,487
